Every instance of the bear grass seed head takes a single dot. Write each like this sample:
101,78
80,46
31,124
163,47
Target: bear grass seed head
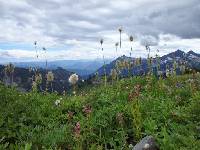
50,76
73,79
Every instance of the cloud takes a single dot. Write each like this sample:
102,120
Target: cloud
78,25
88,50
149,41
168,37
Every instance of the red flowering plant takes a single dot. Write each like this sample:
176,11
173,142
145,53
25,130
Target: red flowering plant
87,110
135,93
77,130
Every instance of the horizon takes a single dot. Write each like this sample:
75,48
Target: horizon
108,60
75,34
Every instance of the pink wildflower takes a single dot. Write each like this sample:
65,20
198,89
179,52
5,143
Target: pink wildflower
77,130
87,110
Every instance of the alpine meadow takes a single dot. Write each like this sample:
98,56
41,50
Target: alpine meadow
99,75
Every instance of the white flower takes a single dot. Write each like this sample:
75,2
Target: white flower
168,73
83,80
73,79
182,68
130,146
38,78
50,76
146,146
74,92
57,102
160,73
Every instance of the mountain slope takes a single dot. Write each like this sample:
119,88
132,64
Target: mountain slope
81,67
192,59
23,78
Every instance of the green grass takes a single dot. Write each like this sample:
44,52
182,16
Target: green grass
167,109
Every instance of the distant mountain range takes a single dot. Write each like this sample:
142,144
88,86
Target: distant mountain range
81,67
192,59
87,69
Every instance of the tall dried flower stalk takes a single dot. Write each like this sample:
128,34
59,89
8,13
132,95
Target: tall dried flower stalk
104,64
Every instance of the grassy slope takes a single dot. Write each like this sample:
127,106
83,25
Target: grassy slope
167,109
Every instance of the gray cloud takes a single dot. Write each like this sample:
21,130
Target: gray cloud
80,24
83,20
149,41
5,54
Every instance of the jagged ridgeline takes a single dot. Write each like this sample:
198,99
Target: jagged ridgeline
160,65
122,67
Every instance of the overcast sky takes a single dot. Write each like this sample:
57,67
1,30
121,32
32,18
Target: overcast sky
72,29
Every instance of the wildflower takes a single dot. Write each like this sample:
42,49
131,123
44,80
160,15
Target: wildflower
146,146
116,45
119,64
131,64
57,102
120,118
38,78
101,42
73,79
104,63
35,43
77,130
160,73
173,72
74,92
83,80
175,65
138,61
131,40
135,93
130,146
190,81
70,115
150,61
126,64
50,76
64,93
182,68
34,86
120,32
137,88
168,73
9,69
113,74
87,110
